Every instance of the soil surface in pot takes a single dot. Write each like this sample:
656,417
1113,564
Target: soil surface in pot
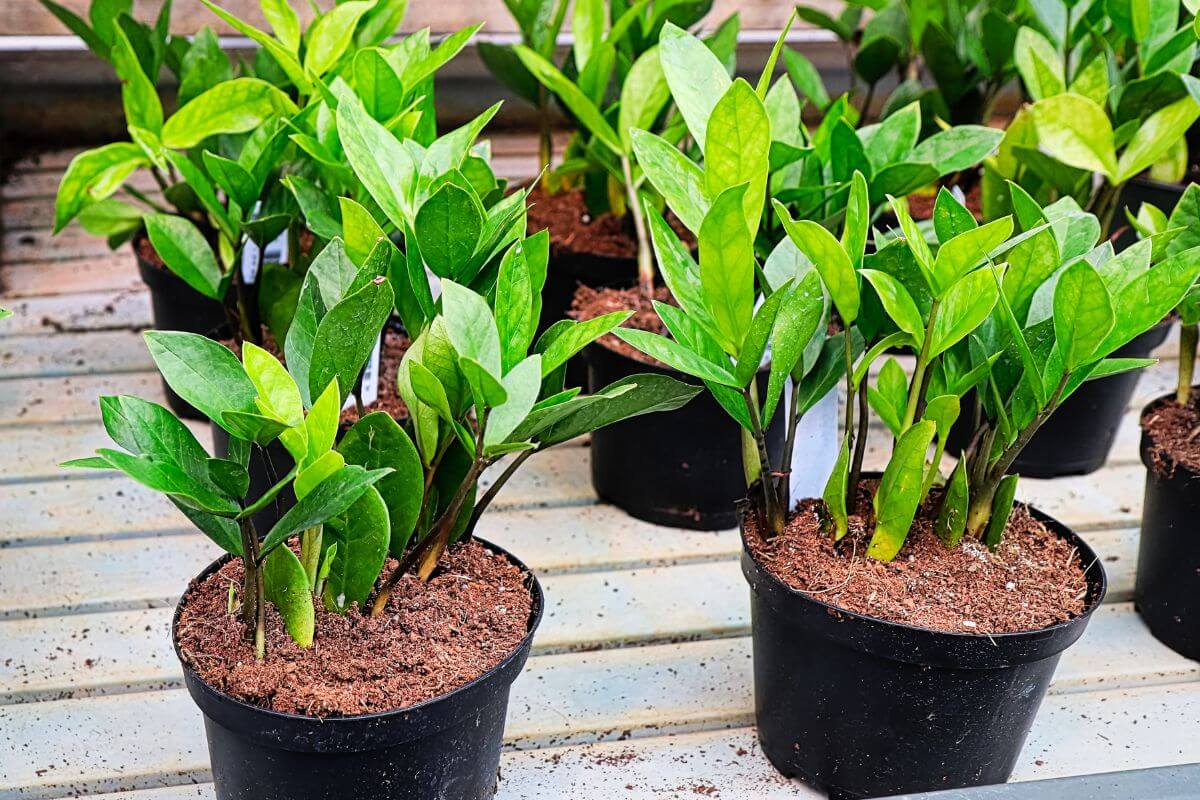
433,638
1174,432
146,251
590,303
573,229
395,345
1033,580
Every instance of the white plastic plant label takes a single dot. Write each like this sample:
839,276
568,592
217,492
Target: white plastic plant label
370,380
251,262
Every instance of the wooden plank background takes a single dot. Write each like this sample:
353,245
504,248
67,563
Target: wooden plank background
640,682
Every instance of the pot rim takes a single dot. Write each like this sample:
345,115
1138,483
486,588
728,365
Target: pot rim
1093,570
519,652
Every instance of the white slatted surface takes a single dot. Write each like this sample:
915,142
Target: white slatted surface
640,682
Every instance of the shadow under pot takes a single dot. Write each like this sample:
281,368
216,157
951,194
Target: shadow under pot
861,707
176,306
1078,437
1167,590
267,466
679,468
445,747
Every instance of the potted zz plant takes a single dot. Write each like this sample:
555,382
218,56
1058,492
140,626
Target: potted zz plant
1168,559
322,667
215,162
893,615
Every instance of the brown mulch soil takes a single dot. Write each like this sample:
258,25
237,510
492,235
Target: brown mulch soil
1174,433
573,229
146,251
590,303
1033,580
432,639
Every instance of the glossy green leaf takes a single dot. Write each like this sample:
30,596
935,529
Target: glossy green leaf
736,152
285,584
362,536
1083,313
962,309
203,372
835,491
521,386
569,337
331,34
331,497
1002,504
1039,63
1077,132
727,267
471,327
952,514
235,106
831,261
899,492
1155,137
92,176
677,356
283,20
374,442
643,96
967,250
186,253
676,177
572,97
346,336
958,148
378,159
697,78
448,227
623,399
898,303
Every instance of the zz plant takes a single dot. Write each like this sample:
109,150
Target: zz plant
1112,96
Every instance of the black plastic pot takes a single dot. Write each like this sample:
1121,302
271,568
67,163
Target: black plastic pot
681,468
447,747
266,468
860,707
1133,194
564,275
176,306
1077,438
1167,591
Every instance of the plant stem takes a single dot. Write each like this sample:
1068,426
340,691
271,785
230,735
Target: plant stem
1187,362
493,490
789,446
916,388
134,193
771,506
851,490
243,306
310,553
866,106
860,444
358,390
644,255
254,613
1104,206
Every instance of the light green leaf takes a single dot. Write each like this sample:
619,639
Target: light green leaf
967,250
676,356
643,95
282,18
1155,137
835,491
831,261
952,515
331,497
278,395
330,35
1077,132
92,176
521,385
386,169
898,303
1039,63
186,252
677,178
963,308
696,76
1083,313
235,106
727,267
572,97
899,491
736,152
567,337
285,584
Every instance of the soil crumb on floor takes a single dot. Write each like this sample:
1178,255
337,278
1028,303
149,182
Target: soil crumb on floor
433,638
1174,433
590,303
1033,580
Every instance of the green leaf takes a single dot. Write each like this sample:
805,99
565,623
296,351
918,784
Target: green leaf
329,36
515,322
967,250
890,394
359,230
375,442
567,337
235,106
77,26
1077,132
858,219
950,218
203,372
331,497
92,176
377,84
643,96
697,78
346,336
1002,504
963,308
143,109
283,20
233,179
1039,63
572,97
385,168
898,303
727,267
1155,137
310,477
676,177
806,78
623,399
676,356
831,261
800,316
204,65
278,395
952,515
835,491
471,327
448,226
362,536
899,492
749,358
737,151
287,62
958,148
285,584
170,479
893,139
1083,313
521,386
505,66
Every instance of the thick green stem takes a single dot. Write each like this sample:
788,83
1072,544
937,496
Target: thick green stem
771,505
310,553
645,256
254,611
1187,362
851,489
493,490
860,444
789,446
916,388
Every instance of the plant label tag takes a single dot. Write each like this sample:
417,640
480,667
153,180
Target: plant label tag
251,261
277,250
370,379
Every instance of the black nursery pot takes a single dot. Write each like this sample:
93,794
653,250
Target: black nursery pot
860,707
681,468
266,468
1077,438
1167,591
564,275
178,307
447,747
